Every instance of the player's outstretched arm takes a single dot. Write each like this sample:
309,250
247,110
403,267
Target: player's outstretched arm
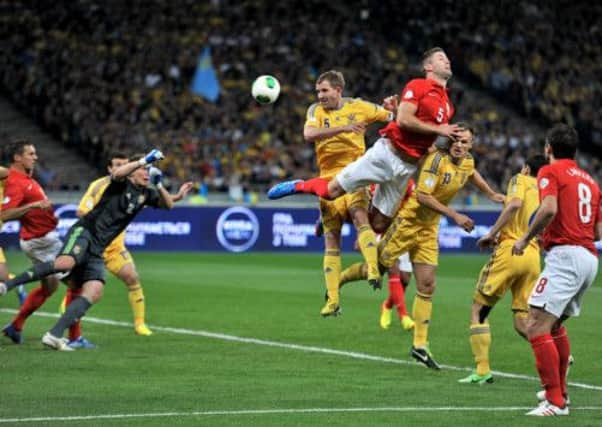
406,119
311,134
431,202
16,213
506,215
544,215
182,192
477,179
120,173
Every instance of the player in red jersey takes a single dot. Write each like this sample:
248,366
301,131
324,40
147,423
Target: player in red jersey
423,115
25,200
570,218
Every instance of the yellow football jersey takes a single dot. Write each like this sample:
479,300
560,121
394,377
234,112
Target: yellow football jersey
336,152
441,178
91,198
521,187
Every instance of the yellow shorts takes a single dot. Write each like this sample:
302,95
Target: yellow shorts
334,213
115,260
506,272
2,257
402,236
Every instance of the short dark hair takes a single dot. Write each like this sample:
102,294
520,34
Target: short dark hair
469,127
17,147
334,77
535,163
427,54
116,155
563,141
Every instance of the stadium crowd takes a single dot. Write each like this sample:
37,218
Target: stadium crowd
106,76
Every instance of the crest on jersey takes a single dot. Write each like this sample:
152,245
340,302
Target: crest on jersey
543,183
429,182
351,118
141,199
409,94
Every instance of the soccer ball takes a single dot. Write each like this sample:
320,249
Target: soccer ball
265,89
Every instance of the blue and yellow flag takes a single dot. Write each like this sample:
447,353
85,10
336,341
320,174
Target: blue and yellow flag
205,81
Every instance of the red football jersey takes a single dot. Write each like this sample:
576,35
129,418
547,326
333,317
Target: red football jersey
434,107
578,197
21,189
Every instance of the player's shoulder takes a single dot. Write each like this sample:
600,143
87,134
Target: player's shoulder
313,110
468,161
435,160
418,81
516,179
360,104
98,184
418,84
546,170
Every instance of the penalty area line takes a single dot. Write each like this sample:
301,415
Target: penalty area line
299,347
281,412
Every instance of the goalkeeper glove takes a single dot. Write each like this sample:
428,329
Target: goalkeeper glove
153,156
156,176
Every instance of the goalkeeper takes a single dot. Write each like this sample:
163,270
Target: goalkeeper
82,254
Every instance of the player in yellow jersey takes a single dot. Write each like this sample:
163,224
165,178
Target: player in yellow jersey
336,125
117,258
415,228
4,274
505,272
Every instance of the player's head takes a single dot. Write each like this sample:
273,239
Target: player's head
115,160
23,155
534,164
561,142
459,147
140,176
435,62
329,88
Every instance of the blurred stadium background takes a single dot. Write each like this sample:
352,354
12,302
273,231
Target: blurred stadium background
83,78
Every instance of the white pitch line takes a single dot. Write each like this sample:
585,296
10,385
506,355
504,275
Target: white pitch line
284,411
312,349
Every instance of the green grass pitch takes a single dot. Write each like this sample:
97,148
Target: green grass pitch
239,341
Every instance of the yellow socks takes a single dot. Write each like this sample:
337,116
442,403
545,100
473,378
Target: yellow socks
332,273
136,298
421,311
367,242
357,271
480,342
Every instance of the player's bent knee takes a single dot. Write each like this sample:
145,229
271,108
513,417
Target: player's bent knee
93,291
334,189
64,263
130,279
50,284
379,221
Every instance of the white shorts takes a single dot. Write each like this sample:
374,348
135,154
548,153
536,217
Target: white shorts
404,263
42,249
569,271
379,165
